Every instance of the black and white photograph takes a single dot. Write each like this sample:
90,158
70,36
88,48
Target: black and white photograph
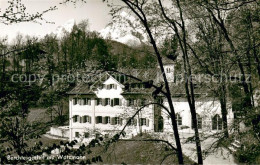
130,82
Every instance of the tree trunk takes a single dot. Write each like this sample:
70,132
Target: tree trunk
189,87
223,104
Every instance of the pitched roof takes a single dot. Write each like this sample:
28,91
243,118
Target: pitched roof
82,88
141,74
88,87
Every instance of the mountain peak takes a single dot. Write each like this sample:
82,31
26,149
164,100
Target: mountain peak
67,26
120,31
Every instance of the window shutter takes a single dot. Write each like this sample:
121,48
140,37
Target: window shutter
147,122
86,119
103,120
135,122
115,86
135,102
89,101
112,121
106,101
89,119
83,101
120,102
112,102
127,121
74,118
96,120
138,101
127,103
74,101
103,102
120,121
80,119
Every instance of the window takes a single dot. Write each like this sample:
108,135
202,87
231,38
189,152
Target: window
107,101
86,135
98,101
75,101
131,122
77,134
178,119
106,120
168,70
112,86
130,102
143,102
89,101
80,101
117,120
199,122
116,101
86,119
143,121
216,122
76,118
98,119
84,101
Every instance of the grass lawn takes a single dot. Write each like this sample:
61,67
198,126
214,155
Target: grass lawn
137,152
45,141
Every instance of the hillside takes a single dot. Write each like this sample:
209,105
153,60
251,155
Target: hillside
140,56
137,152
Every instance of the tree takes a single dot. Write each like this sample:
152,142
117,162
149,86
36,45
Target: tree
16,12
137,9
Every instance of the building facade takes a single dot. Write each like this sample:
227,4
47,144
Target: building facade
105,106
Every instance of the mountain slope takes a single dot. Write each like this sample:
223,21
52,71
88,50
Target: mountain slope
67,26
128,31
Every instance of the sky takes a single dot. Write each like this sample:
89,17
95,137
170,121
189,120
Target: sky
95,11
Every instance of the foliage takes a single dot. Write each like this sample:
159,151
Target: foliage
249,152
16,12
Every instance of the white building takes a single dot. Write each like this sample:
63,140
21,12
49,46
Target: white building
105,105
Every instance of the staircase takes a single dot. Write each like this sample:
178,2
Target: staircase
234,146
